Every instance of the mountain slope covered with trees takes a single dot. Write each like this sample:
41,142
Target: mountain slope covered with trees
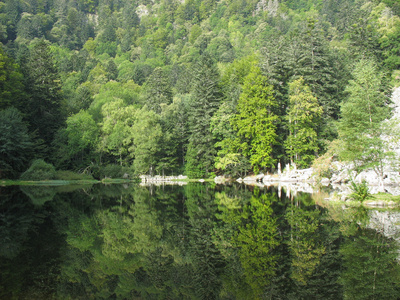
195,87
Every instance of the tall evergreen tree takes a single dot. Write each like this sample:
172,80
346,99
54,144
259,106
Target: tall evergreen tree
16,147
157,91
44,101
206,96
11,87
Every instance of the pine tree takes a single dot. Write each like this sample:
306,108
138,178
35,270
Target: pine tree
44,101
206,96
16,147
11,87
157,91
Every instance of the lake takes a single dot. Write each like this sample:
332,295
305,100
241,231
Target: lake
199,241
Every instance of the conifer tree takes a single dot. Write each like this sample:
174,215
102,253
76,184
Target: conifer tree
43,104
157,91
206,95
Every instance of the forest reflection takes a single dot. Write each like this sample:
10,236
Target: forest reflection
199,241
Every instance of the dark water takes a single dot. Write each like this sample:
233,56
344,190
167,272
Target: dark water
194,242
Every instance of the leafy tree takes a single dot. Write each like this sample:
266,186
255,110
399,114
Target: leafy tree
323,71
364,135
146,133
303,119
255,121
116,129
83,135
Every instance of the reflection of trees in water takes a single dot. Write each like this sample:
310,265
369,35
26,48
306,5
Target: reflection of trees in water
196,242
305,247
28,260
310,257
371,268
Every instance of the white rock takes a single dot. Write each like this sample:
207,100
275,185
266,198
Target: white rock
325,181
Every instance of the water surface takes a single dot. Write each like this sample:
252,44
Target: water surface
199,241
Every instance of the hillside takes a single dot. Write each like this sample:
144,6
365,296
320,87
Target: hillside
191,87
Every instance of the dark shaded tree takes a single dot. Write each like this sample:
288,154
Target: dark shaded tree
206,96
42,107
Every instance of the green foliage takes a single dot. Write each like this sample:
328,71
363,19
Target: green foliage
11,87
147,134
255,121
206,97
360,191
39,170
69,175
322,165
361,127
303,117
157,91
111,171
79,58
16,146
42,107
116,132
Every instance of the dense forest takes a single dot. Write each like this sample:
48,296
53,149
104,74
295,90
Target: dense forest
108,87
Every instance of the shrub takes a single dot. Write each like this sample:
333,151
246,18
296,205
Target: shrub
360,191
39,170
322,166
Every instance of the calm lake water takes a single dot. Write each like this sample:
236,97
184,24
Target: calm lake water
199,241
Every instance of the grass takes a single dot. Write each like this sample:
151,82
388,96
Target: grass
117,180
7,182
383,198
386,198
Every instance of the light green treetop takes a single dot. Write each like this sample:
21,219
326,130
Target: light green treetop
255,122
303,117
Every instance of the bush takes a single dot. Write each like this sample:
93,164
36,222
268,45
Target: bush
322,166
360,191
39,170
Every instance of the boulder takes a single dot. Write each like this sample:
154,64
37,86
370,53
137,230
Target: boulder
325,181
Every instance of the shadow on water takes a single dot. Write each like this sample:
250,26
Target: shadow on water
199,241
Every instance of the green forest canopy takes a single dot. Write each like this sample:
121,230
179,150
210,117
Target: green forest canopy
195,87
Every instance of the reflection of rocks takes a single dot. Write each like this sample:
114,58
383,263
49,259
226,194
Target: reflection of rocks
386,222
166,182
163,180
341,175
